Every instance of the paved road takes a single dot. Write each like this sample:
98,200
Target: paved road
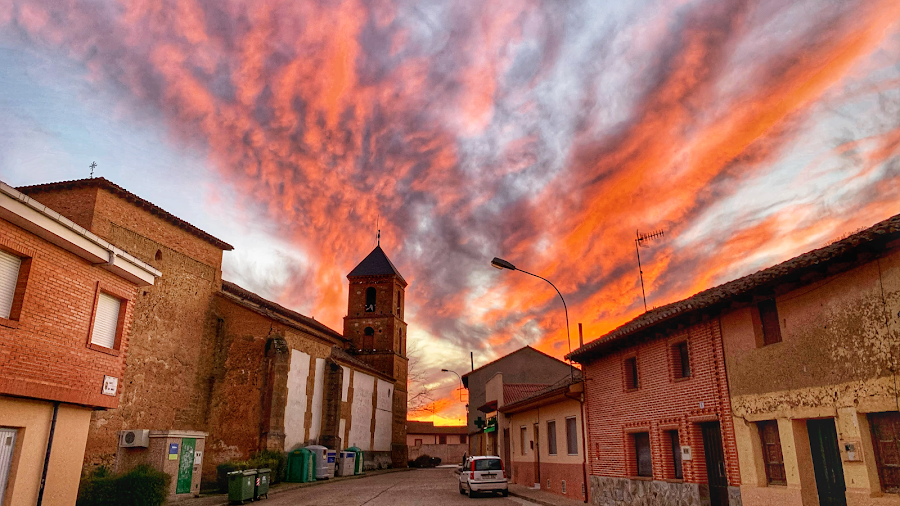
425,487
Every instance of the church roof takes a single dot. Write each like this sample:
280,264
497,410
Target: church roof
376,264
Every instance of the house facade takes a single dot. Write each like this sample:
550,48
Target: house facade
67,301
448,443
659,416
812,355
525,365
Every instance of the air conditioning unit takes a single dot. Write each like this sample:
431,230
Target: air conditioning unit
134,438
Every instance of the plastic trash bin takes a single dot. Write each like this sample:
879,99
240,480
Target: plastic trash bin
346,463
263,478
300,466
358,462
241,485
330,461
320,458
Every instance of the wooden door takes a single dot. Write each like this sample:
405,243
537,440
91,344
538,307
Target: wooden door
537,456
715,464
826,458
886,440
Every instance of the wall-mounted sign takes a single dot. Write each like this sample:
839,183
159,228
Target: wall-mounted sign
686,453
110,385
173,451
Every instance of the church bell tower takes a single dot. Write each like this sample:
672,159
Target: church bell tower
377,333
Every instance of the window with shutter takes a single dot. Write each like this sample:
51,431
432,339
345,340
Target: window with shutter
9,277
522,438
106,321
551,437
681,363
768,316
772,456
571,436
886,441
631,374
642,454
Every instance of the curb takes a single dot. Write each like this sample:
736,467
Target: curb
530,499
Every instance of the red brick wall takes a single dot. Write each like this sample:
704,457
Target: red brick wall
45,353
523,474
661,403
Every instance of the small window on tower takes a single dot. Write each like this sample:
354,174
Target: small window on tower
368,339
370,300
398,304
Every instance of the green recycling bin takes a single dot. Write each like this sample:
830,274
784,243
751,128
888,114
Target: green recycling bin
300,467
241,485
263,478
359,460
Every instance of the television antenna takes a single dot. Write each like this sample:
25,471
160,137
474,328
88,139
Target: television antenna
639,242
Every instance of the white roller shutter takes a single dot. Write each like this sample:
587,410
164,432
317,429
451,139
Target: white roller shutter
9,275
105,321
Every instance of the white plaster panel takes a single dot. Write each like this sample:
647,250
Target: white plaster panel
345,384
295,409
383,416
342,432
360,434
317,397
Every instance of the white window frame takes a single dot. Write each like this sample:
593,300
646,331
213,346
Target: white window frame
10,269
105,325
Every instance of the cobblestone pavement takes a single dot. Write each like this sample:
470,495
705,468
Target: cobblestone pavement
420,487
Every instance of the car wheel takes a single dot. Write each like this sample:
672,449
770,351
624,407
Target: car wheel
505,493
461,491
472,493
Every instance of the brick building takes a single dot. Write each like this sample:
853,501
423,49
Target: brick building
659,417
203,349
67,302
448,443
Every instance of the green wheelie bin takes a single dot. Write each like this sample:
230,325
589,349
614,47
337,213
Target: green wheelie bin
358,463
241,485
300,467
263,479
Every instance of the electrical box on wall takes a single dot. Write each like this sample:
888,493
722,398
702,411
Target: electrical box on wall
851,451
686,453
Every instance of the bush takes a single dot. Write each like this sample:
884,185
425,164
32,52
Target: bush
272,459
142,486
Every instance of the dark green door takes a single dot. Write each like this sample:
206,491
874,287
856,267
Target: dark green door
826,458
715,464
186,466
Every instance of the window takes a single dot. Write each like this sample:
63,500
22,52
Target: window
418,442
13,274
768,317
571,436
631,374
462,439
551,437
398,304
886,440
642,454
106,326
7,451
675,448
522,434
442,440
483,464
681,364
370,300
369,338
772,456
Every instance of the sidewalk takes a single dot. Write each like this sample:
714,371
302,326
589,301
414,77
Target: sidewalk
222,499
542,497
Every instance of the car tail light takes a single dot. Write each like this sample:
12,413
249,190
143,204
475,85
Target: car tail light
472,475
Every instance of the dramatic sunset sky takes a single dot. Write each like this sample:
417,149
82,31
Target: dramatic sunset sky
542,132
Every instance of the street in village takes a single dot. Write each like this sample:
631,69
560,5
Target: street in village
419,487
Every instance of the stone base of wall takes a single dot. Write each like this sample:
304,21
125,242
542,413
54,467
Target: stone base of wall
376,460
609,491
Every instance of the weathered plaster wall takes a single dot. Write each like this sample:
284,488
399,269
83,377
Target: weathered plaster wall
297,401
360,432
383,416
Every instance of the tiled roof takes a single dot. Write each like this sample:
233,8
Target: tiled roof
838,256
515,392
271,309
99,182
413,427
504,357
375,264
560,386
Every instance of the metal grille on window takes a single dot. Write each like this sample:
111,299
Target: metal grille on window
106,320
772,455
886,440
9,276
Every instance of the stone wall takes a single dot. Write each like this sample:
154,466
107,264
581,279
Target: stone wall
448,453
611,491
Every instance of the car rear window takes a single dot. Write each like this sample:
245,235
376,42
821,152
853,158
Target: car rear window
488,465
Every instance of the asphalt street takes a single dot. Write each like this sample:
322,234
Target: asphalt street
425,487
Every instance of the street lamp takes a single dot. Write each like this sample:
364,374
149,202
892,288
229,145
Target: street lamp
501,264
460,381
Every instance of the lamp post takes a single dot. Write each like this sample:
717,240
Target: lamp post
460,381
500,263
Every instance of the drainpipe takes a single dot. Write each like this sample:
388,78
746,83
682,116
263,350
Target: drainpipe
47,455
581,400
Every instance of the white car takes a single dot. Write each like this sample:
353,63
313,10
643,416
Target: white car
483,474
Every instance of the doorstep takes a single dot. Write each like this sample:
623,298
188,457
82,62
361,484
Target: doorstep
542,497
222,499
